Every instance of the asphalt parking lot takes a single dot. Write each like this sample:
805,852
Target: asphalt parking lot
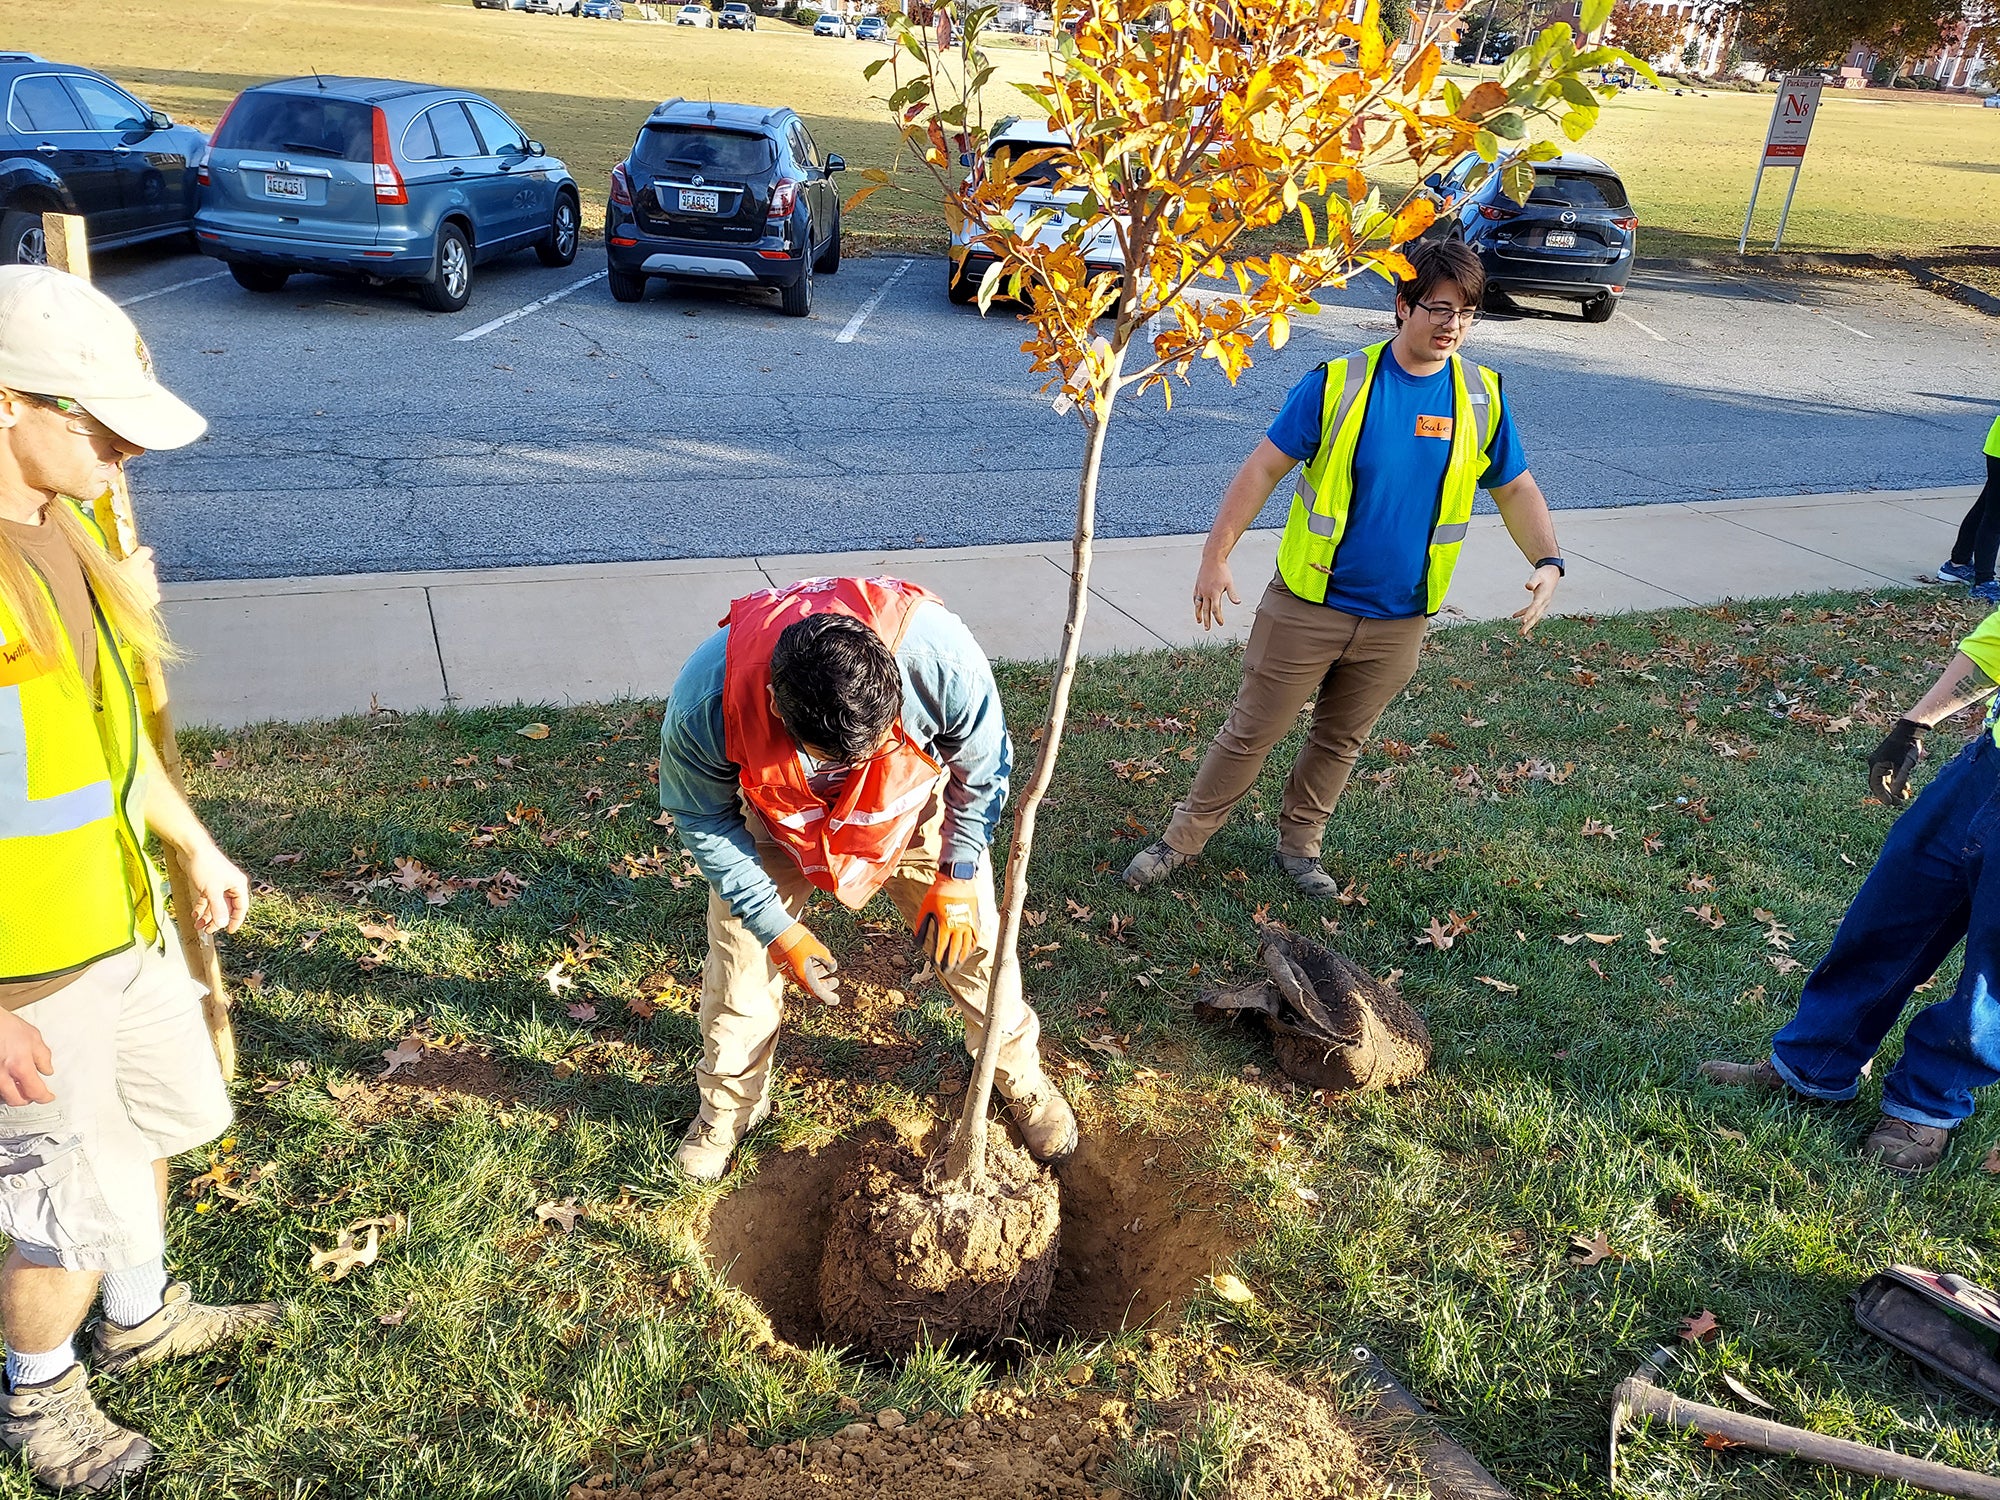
353,432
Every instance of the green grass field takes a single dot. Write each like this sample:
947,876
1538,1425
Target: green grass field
1891,175
424,877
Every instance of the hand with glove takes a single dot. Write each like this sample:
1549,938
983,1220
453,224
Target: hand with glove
1890,763
948,921
807,961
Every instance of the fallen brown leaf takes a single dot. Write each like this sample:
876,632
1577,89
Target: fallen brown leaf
1499,984
1588,1252
533,731
583,1012
563,1214
1701,1328
1744,1392
1655,944
401,1056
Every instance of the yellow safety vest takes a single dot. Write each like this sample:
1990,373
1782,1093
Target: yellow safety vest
75,883
1326,484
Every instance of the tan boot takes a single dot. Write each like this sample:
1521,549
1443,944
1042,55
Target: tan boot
182,1326
1760,1077
1044,1118
65,1440
1908,1148
708,1145
1153,864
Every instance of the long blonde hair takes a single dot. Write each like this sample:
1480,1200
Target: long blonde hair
133,621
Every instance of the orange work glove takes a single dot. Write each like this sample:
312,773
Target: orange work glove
806,960
948,921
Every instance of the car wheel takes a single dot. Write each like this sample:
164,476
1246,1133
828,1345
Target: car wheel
559,249
797,299
1600,308
21,240
449,286
829,258
960,288
260,278
626,286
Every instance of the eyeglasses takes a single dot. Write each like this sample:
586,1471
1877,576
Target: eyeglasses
1444,312
81,422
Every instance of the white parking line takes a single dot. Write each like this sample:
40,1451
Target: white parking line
846,335
1659,338
536,306
162,291
1808,307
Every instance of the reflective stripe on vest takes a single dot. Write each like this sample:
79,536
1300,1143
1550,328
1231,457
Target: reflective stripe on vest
24,815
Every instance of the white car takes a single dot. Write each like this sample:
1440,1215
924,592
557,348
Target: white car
694,15
552,7
1042,190
829,25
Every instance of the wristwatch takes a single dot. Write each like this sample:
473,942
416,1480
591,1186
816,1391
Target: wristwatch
1553,562
963,869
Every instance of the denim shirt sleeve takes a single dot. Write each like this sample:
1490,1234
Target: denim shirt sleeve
951,705
699,786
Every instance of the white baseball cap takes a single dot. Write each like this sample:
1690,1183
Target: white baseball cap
61,336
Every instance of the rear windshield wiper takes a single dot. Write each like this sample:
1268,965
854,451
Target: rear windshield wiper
312,150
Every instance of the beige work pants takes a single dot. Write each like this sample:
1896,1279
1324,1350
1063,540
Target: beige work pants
743,990
1297,650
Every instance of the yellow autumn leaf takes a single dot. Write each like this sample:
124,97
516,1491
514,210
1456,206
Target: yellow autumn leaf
1230,1288
533,731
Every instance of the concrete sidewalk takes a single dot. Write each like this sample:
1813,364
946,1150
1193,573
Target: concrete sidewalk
307,648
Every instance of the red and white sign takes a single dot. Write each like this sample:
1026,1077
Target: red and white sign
1791,122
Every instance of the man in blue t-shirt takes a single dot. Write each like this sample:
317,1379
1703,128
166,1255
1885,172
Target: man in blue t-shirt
1379,537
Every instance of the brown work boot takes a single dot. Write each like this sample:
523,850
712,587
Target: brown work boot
182,1326
1153,864
1044,1118
65,1440
1904,1147
708,1145
1760,1076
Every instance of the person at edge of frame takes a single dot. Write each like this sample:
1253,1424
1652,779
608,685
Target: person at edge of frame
106,1067
845,735
1395,440
1929,890
1978,541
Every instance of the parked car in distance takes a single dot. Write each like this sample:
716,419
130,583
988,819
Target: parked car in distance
736,16
1042,189
829,24
602,10
1576,236
871,29
694,15
552,7
1991,101
724,195
74,142
382,179
499,4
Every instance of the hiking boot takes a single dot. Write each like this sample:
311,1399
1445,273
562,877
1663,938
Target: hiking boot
182,1326
1153,864
708,1145
66,1441
1044,1118
1904,1147
1760,1076
1954,572
1310,875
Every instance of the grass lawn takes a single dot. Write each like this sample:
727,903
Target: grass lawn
507,907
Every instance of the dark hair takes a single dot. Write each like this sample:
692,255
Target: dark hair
1442,260
837,685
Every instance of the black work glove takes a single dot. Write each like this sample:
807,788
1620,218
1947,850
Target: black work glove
1890,763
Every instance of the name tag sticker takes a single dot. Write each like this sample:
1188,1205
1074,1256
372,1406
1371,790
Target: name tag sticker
1437,427
19,664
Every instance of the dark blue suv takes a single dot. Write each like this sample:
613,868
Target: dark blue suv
724,195
1576,236
74,142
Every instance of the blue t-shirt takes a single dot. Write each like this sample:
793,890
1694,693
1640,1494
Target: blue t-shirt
1378,569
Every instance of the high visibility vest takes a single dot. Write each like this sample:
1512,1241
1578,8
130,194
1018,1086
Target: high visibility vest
1325,490
851,847
75,883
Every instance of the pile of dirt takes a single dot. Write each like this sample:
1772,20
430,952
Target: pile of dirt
1293,1444
904,1262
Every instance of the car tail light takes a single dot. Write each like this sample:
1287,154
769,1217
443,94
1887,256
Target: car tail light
1494,211
388,181
783,195
1627,224
621,187
201,170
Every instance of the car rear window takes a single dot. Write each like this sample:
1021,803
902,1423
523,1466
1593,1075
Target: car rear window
1046,173
1578,190
305,123
730,153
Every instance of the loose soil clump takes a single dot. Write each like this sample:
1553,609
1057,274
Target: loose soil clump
905,1263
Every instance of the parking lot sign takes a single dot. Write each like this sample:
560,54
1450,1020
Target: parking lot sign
1785,141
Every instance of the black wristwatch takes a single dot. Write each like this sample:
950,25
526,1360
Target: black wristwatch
963,869
1553,562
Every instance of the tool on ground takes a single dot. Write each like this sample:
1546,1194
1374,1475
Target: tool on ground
1451,1472
1637,1397
1944,1322
68,250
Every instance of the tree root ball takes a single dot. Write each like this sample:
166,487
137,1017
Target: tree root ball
905,1263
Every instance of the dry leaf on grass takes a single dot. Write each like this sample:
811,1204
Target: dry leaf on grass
1732,1135
394,1319
1655,944
1596,968
1588,1252
401,1055
584,1011
563,1214
556,979
1992,1162
1717,1441
1592,829
641,1008
1107,1044
1077,912
1230,1288
1701,1328
1782,963
1499,984
1705,914
1744,1392
349,1253
533,731
384,932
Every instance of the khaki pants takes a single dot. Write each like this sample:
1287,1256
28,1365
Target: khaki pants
1298,649
743,991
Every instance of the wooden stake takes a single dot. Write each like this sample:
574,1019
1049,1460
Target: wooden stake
68,250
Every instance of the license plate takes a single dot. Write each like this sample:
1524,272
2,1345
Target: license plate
700,203
1561,239
285,187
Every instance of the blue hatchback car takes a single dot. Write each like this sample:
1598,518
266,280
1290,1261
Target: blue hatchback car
371,177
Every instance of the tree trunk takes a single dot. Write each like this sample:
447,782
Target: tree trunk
966,1161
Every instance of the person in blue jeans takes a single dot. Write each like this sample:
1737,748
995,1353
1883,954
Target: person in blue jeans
1972,555
1930,889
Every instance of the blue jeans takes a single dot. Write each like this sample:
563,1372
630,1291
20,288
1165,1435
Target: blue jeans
1931,886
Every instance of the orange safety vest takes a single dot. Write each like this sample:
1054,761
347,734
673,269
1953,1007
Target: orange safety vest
850,848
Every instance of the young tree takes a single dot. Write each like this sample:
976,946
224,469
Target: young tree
1232,154
1647,30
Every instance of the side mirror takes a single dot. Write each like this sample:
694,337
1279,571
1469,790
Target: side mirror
159,119
1434,181
835,163
965,158
536,148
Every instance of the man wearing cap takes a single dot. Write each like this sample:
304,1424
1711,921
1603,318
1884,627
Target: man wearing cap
106,1069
